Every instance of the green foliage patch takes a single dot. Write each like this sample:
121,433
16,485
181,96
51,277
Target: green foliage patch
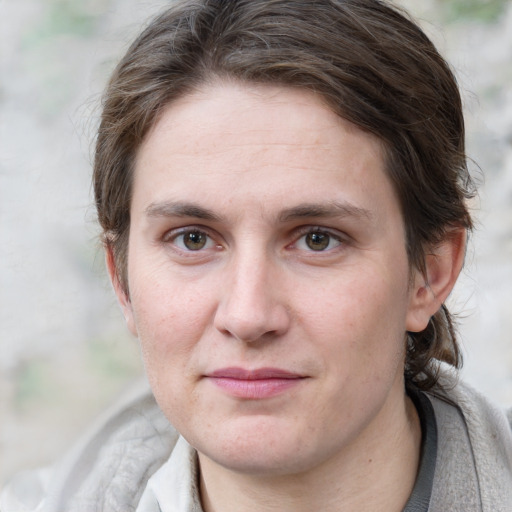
76,18
486,11
116,360
33,384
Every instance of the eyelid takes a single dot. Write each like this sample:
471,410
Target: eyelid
314,228
170,236
174,232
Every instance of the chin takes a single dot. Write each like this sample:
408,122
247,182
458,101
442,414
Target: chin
266,448
261,461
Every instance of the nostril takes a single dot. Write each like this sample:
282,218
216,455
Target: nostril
253,326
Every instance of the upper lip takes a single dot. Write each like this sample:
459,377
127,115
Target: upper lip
257,374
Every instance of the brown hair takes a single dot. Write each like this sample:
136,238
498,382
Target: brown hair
368,60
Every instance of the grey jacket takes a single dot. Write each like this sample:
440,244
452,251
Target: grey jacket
134,461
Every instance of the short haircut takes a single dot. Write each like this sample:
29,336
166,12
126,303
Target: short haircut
367,59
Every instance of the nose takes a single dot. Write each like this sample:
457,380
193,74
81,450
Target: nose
250,308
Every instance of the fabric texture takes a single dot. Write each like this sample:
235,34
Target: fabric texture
421,495
134,461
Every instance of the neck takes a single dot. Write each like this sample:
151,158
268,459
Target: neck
375,473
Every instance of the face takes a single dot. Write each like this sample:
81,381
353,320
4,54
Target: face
268,277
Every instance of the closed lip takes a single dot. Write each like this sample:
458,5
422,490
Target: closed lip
256,374
258,384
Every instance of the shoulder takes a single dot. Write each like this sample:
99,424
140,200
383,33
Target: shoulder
481,414
111,464
464,413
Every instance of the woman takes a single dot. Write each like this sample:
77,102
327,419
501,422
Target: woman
281,186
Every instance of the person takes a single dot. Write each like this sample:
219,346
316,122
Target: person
282,189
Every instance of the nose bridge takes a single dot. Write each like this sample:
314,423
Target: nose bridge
250,307
251,283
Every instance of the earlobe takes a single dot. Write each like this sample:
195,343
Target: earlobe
430,289
122,296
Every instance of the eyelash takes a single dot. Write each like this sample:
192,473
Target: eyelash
299,238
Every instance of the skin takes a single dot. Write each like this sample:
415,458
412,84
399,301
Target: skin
224,272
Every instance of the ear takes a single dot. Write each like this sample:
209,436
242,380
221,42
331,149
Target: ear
430,289
122,296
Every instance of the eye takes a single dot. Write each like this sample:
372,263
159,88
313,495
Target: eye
318,241
192,240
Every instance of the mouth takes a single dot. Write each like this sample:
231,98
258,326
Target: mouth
254,384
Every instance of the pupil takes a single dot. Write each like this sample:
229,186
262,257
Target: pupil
317,241
195,240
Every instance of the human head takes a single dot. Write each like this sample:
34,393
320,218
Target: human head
369,62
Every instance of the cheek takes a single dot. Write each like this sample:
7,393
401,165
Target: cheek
170,328
171,318
359,321
358,301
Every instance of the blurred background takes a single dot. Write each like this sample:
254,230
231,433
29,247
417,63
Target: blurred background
65,353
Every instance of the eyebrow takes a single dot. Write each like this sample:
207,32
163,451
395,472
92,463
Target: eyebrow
180,209
305,210
329,210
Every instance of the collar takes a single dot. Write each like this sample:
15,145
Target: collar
174,487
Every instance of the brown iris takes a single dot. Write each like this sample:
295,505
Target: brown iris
317,241
194,240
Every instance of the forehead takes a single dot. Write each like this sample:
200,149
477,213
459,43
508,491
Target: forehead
222,108
259,141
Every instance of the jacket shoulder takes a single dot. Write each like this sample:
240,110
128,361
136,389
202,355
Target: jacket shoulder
490,434
109,465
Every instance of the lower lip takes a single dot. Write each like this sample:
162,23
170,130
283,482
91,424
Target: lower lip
255,389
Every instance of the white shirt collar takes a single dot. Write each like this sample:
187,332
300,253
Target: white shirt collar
174,487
